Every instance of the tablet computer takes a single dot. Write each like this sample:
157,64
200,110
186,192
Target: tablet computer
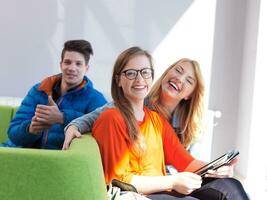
215,164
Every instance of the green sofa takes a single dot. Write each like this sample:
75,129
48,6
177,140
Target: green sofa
6,114
34,174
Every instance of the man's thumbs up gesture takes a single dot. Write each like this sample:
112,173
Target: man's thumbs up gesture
49,114
51,101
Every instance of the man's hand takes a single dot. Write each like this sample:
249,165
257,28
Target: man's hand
37,127
49,114
71,133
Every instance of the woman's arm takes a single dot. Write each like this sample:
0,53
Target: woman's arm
82,124
85,123
110,132
176,155
174,152
194,165
183,183
71,133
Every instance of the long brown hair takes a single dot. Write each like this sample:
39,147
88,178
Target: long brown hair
189,112
121,102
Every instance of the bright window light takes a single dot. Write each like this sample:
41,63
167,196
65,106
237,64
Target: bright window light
257,169
192,37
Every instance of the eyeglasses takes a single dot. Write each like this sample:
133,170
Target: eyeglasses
131,74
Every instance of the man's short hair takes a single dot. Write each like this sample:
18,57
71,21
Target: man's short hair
81,46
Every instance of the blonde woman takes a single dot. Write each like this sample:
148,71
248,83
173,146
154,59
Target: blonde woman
178,96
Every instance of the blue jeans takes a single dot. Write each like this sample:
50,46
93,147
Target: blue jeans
212,189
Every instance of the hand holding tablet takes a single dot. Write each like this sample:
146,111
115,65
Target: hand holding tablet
217,163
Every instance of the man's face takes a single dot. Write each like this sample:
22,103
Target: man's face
73,69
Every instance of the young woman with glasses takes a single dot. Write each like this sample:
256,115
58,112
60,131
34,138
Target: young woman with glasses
135,142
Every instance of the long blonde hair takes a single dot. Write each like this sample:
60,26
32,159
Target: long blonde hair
121,102
190,112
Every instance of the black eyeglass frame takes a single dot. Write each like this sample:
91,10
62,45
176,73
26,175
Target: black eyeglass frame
139,71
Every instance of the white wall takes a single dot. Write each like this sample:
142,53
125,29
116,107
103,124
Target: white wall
247,84
238,84
33,32
226,71
256,170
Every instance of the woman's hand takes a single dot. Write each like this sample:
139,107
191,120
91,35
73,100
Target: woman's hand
71,133
225,171
186,182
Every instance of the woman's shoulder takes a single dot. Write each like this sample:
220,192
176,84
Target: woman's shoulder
110,122
111,114
111,111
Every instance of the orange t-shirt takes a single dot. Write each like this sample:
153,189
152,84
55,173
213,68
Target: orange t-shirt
158,144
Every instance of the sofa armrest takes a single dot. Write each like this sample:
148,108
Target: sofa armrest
53,174
5,117
7,112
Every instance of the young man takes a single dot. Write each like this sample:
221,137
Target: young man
50,105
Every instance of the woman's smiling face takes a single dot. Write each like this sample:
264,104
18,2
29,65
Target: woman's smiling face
137,88
180,82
